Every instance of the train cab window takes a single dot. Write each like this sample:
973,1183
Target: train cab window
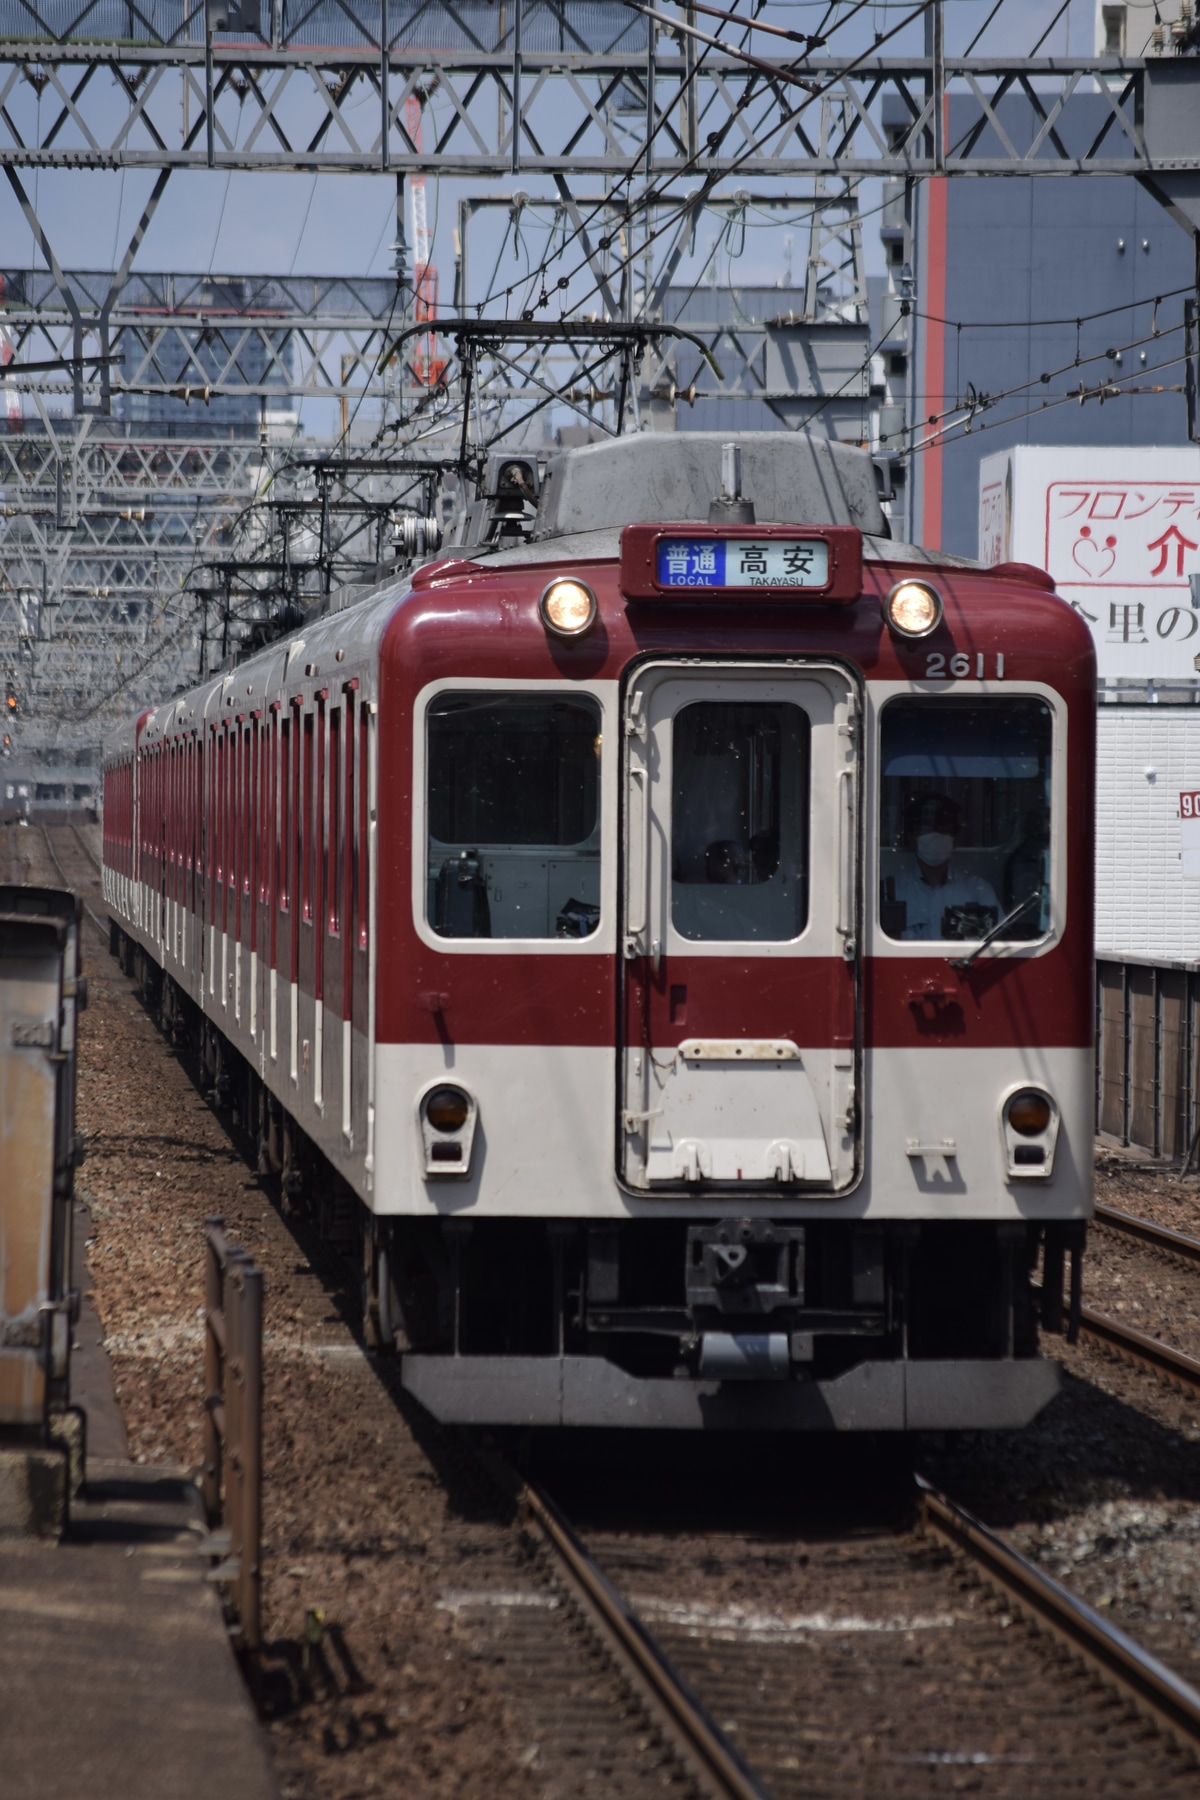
513,815
965,818
739,821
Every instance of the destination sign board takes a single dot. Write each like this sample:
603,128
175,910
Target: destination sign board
748,562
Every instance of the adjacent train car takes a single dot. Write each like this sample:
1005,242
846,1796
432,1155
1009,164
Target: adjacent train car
659,931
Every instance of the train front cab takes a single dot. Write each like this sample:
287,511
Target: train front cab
847,1115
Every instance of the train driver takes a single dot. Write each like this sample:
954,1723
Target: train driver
930,885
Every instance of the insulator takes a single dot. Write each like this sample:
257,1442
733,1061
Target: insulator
417,536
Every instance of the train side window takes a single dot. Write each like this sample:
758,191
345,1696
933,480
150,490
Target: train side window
210,843
233,848
513,815
346,865
739,821
333,876
964,830
295,847
216,844
312,825
364,825
266,746
283,872
236,827
249,812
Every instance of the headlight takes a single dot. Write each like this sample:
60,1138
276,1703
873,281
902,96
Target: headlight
447,1117
447,1109
1028,1133
913,609
568,609
1029,1113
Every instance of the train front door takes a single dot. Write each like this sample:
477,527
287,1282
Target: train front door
741,934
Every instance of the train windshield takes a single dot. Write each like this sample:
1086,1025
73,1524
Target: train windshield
965,818
739,821
513,816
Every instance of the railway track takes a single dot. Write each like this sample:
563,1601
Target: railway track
88,852
15,858
715,1684
1163,1360
1157,1691
1137,1347
1147,1232
78,868
761,1734
686,1721
742,1731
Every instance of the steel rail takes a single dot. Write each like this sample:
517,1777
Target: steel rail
99,923
1158,1235
1172,1702
87,850
1151,1353
691,1726
14,855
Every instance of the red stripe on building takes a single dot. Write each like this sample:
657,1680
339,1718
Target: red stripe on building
932,379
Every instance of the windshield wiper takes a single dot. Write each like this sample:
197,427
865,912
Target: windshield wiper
1002,925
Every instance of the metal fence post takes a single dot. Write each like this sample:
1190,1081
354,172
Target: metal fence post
250,1605
1157,1112
1185,1058
233,1425
214,1227
1127,1053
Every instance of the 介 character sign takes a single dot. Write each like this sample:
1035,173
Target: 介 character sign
1121,552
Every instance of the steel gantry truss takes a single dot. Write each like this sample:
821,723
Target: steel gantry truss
108,539
108,525
335,100
111,526
99,536
199,338
196,337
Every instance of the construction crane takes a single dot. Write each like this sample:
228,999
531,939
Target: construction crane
12,399
427,365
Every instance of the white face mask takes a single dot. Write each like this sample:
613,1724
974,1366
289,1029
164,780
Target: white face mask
934,847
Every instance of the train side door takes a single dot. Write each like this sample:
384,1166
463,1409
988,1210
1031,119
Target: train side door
739,1031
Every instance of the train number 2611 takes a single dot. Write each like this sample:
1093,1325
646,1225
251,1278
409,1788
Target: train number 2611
939,667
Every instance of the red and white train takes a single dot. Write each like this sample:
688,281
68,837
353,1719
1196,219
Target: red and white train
661,927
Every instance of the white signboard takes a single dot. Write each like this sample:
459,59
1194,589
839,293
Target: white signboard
1119,530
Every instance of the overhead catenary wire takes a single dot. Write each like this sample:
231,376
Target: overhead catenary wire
1050,27
1103,312
1047,376
678,206
1078,361
1113,387
780,121
648,199
983,27
810,40
659,193
304,226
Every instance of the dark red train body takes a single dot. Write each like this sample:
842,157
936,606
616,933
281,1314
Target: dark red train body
693,1013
